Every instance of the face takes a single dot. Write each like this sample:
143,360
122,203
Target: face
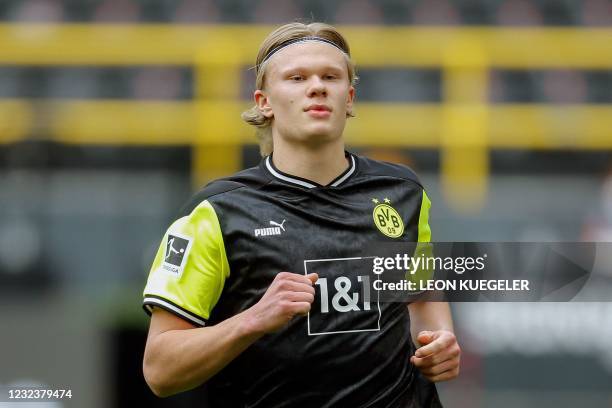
307,92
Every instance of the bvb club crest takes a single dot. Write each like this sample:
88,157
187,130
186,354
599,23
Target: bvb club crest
387,219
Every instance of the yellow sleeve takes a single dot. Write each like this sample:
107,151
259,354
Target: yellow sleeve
190,267
424,247
424,229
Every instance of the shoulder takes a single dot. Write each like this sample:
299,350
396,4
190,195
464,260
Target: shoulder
376,168
252,178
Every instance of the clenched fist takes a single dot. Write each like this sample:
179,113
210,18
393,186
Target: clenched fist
290,294
439,355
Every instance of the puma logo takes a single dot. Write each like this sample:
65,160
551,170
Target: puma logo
278,225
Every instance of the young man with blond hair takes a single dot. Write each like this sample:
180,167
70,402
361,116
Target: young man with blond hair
253,290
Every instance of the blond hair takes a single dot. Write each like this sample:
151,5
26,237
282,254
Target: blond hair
287,33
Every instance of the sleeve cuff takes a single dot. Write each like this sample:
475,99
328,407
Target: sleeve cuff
153,300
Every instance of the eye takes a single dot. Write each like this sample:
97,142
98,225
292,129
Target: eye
296,78
330,76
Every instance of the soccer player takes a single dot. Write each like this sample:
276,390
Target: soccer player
255,287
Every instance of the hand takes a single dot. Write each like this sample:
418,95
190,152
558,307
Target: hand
290,294
439,355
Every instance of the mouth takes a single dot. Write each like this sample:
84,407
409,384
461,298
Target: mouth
319,111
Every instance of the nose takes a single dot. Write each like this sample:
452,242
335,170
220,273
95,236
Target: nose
316,86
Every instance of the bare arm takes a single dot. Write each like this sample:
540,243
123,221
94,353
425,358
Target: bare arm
438,354
179,356
429,316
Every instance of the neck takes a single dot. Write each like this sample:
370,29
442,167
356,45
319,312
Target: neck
321,164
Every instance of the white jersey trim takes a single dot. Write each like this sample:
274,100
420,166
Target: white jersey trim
347,175
150,301
305,183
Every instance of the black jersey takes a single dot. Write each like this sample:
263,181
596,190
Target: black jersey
220,256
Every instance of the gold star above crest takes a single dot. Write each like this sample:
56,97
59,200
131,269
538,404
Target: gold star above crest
387,200
375,200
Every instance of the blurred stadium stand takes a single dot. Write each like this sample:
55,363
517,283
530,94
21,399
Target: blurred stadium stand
116,11
435,12
37,11
85,199
195,12
596,13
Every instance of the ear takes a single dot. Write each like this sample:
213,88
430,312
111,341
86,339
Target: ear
263,103
349,101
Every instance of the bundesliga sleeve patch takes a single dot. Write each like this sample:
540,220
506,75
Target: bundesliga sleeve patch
177,249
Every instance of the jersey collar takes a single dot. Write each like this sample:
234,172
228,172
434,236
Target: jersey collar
276,173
